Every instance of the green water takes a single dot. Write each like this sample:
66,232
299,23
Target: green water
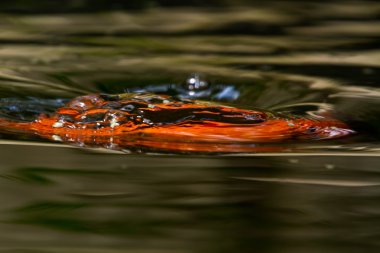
280,55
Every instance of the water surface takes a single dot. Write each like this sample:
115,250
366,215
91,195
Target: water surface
279,55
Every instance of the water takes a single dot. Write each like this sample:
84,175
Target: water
291,56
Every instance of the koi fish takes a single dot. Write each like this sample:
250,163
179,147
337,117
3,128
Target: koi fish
133,121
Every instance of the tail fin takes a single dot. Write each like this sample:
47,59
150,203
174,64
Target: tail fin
9,126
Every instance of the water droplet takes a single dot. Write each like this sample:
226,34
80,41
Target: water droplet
127,108
114,122
56,138
196,82
57,124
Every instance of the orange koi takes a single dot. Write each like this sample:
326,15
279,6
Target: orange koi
162,123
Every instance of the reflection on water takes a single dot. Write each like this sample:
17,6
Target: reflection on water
72,200
289,56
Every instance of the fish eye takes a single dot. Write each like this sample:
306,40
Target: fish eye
312,129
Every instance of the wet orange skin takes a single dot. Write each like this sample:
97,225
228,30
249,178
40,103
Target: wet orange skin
224,129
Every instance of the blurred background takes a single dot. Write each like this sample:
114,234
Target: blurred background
293,56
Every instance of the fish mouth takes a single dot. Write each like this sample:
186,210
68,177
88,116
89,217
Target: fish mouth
334,132
325,129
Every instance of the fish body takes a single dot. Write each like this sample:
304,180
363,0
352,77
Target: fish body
162,123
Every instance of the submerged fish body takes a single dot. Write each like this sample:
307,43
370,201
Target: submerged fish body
162,123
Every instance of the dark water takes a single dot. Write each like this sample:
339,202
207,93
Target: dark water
278,55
